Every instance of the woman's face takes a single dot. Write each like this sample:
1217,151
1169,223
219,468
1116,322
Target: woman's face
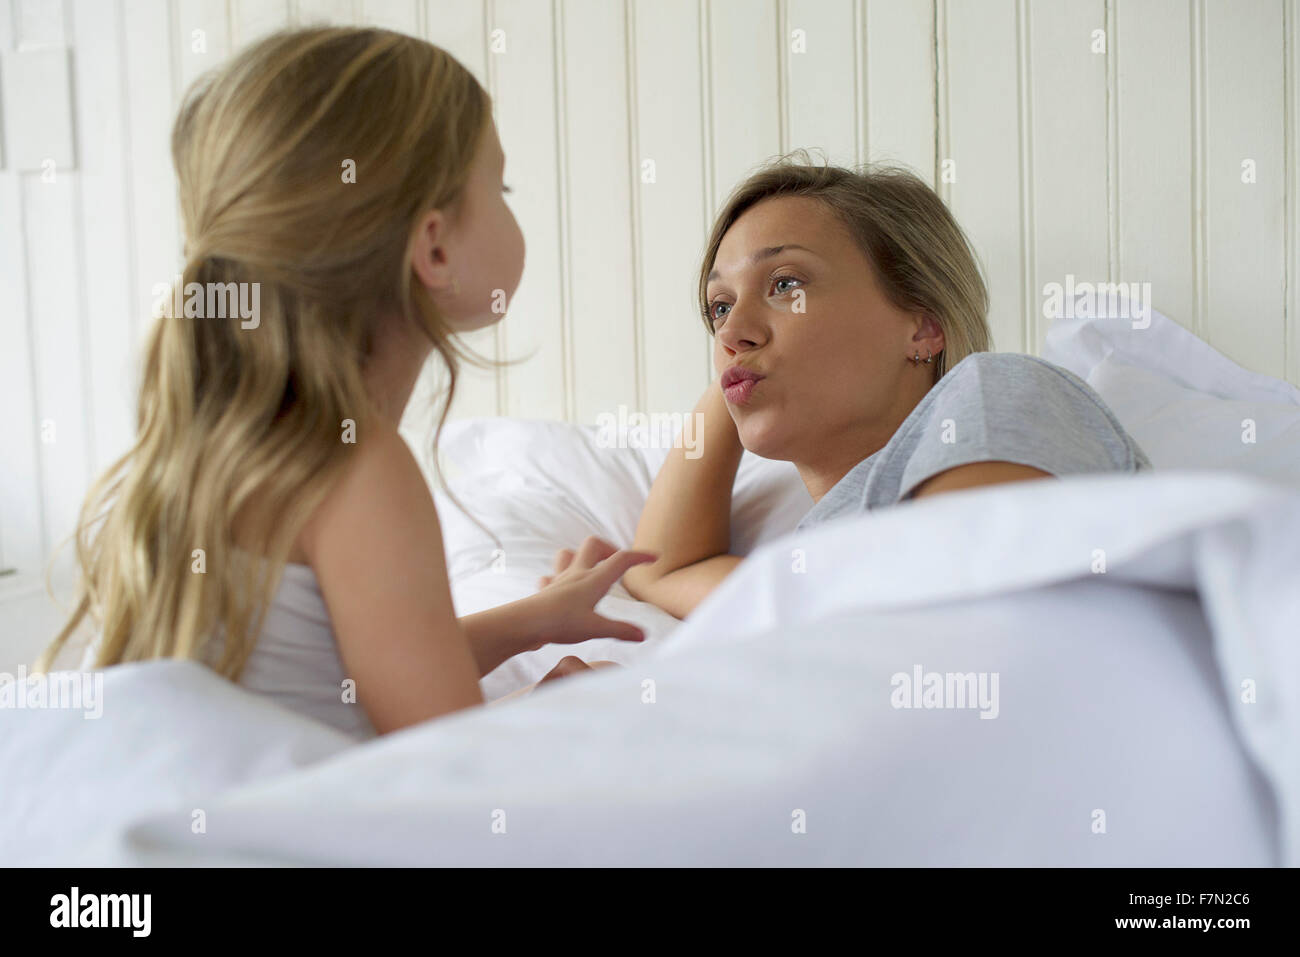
488,244
793,299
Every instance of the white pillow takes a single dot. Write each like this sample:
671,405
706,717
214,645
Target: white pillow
542,486
1186,404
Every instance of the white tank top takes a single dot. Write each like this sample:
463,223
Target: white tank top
296,659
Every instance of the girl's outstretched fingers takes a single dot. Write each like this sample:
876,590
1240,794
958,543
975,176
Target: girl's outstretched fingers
614,567
622,630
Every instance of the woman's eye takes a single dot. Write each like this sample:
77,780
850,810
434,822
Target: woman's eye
776,283
714,314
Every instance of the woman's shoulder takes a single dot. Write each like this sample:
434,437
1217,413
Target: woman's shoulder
1005,398
990,407
1018,384
1014,369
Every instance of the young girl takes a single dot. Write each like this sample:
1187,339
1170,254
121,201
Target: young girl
348,182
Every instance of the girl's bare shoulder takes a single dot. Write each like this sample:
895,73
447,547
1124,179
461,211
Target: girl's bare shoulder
380,492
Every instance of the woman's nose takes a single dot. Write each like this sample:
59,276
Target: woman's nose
739,334
734,346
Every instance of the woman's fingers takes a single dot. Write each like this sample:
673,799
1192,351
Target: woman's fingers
563,559
568,665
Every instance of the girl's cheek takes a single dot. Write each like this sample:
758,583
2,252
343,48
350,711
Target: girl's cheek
512,242
515,267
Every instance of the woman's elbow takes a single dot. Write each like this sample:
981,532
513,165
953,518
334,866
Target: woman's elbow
640,580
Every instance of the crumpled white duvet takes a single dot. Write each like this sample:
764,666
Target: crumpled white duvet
1146,714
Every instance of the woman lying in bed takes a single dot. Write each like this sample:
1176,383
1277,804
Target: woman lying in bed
848,316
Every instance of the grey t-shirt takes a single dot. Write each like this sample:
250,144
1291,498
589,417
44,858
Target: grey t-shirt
991,406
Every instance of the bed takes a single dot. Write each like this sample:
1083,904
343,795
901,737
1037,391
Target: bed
1099,670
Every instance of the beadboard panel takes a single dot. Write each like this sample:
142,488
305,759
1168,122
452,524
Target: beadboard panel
1145,141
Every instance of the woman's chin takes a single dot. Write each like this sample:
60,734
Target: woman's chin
763,441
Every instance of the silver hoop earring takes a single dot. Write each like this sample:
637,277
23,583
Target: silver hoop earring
917,360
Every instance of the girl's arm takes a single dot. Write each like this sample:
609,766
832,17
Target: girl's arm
687,516
498,634
561,614
375,545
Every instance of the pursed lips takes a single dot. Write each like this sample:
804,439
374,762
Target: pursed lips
738,383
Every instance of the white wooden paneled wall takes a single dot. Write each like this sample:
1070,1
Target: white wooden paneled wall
1100,138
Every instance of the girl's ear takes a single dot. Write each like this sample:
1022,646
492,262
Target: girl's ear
429,259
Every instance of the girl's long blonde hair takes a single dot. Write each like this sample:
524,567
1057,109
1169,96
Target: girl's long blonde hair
236,421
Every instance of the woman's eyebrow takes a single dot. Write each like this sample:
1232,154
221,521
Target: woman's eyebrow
767,252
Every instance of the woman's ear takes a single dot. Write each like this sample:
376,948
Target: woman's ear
429,254
928,335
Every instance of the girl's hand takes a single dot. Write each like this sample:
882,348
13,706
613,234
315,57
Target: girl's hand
581,579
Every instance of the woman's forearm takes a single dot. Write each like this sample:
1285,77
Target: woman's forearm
687,515
680,591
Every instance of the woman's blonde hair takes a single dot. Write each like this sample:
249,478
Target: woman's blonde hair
922,259
304,164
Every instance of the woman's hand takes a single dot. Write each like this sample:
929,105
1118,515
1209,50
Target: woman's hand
568,665
687,515
572,665
568,597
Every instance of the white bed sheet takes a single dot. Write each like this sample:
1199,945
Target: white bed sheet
1119,693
